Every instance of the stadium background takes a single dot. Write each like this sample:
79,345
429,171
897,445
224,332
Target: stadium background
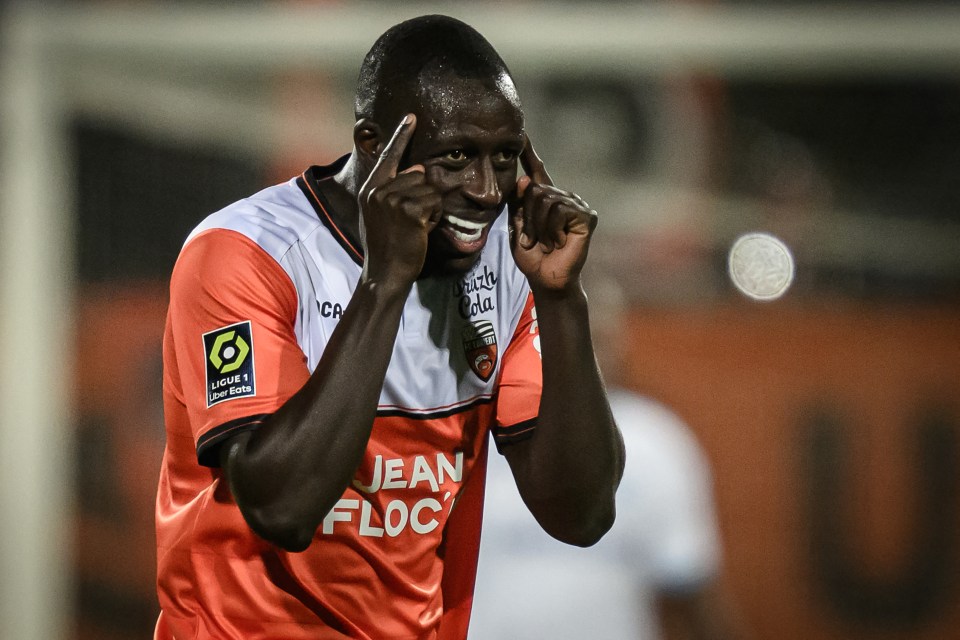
830,417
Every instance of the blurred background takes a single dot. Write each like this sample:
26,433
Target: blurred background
831,416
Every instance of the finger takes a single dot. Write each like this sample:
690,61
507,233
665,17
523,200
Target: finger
584,221
522,183
415,199
524,235
517,236
556,225
536,208
435,209
394,196
547,215
391,155
515,210
515,197
406,179
418,190
528,210
424,208
399,185
532,164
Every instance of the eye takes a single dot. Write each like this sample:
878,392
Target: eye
505,157
457,156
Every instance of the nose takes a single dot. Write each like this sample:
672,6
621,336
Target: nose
481,184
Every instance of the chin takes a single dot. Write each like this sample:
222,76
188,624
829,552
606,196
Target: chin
440,264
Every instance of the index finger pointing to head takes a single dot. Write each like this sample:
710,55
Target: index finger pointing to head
391,155
532,164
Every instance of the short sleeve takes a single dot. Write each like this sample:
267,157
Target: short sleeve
521,381
232,316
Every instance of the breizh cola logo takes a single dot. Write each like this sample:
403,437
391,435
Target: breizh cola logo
480,347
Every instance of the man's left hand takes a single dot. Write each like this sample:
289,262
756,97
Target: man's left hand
550,228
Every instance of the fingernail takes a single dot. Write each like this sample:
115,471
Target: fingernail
407,119
524,239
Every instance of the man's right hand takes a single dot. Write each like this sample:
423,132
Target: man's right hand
397,212
288,474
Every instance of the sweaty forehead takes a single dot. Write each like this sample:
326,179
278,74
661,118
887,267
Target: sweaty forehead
449,103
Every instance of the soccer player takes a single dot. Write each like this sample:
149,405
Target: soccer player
338,348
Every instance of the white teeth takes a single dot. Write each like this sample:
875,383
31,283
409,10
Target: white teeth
466,237
465,224
465,230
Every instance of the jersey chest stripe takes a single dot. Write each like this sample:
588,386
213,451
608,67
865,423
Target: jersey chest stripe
439,412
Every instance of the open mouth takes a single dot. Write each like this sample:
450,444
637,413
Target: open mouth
465,236
465,230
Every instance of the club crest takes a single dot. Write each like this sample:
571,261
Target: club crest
480,347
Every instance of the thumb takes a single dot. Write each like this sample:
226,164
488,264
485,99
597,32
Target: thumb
522,183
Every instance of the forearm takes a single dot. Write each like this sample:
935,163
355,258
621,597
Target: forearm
288,474
573,464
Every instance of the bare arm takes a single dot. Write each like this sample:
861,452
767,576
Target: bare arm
568,472
286,475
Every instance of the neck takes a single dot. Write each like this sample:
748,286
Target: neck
350,178
341,192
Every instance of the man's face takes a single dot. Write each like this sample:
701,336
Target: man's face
468,139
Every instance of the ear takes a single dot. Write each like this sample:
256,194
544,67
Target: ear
368,140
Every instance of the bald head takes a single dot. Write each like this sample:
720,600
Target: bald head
412,62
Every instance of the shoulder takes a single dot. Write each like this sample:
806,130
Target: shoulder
234,257
273,219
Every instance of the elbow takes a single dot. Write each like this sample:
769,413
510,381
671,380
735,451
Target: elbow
269,513
294,540
591,531
602,524
586,529
284,532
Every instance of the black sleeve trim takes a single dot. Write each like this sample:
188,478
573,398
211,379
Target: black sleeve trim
208,446
505,436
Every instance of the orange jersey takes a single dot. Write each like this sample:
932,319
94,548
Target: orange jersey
256,293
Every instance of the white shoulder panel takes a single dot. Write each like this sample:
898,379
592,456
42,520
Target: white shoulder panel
275,218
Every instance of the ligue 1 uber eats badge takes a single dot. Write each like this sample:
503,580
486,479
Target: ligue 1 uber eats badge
229,355
480,347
